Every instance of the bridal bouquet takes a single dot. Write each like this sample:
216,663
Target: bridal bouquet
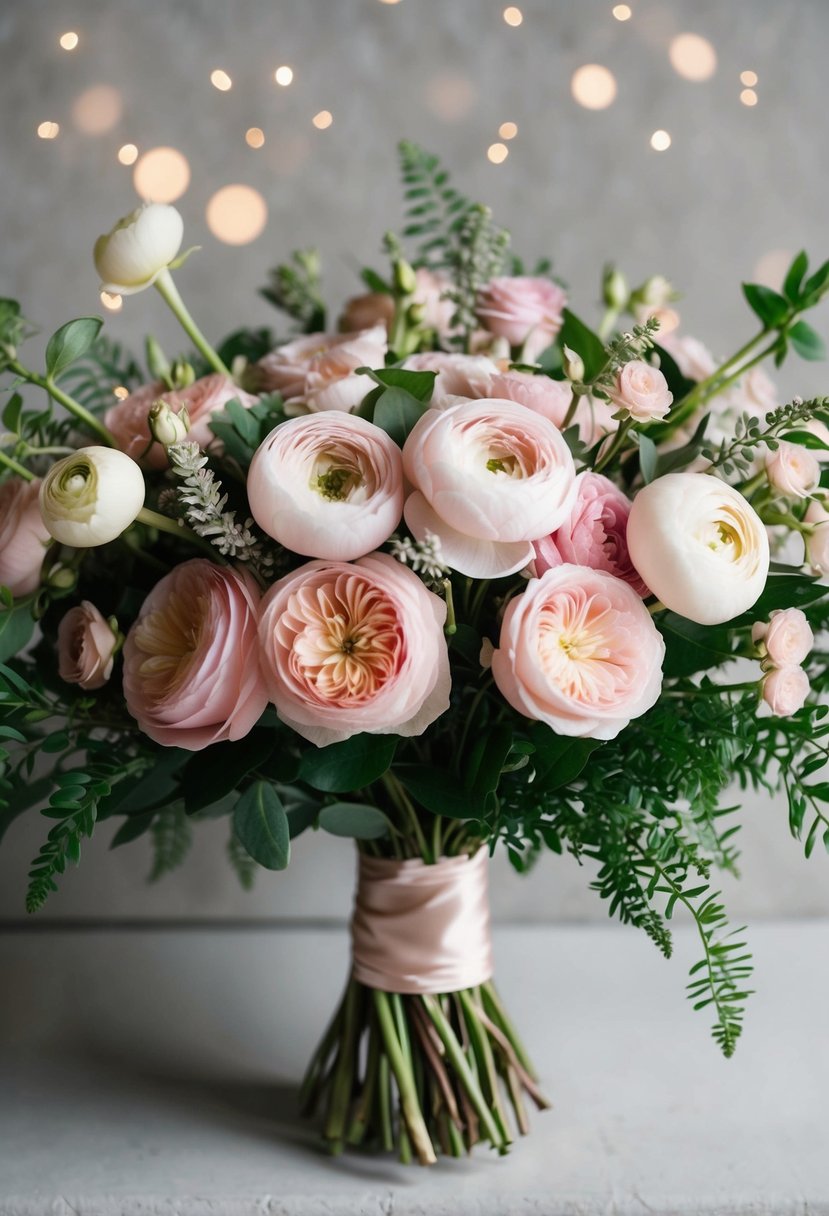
459,573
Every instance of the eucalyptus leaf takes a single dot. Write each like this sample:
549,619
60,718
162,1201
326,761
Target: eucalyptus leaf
261,824
355,819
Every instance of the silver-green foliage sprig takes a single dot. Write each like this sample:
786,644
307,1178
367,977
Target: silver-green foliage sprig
737,455
477,254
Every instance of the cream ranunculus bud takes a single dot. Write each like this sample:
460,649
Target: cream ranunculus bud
139,247
699,545
615,290
91,497
573,365
655,292
167,426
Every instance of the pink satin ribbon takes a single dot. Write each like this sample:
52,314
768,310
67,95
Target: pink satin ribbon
422,928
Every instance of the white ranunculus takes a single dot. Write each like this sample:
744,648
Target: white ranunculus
91,497
699,545
139,247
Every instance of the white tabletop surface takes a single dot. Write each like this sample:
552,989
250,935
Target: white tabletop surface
151,1070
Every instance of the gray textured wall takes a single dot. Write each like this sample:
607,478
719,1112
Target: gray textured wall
737,184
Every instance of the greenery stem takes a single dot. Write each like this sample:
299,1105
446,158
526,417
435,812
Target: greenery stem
615,446
705,389
459,1062
401,1067
19,469
170,294
69,403
571,411
163,523
403,803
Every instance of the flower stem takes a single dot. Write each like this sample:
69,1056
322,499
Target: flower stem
404,1077
163,523
615,447
69,403
19,469
455,1054
170,294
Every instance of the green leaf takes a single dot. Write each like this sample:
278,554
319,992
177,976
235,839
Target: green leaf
575,334
419,385
794,277
70,342
155,789
12,412
396,412
690,647
769,306
374,282
16,628
558,759
211,774
806,439
815,286
437,791
648,458
261,824
679,385
243,422
132,827
488,757
355,819
807,341
350,765
794,590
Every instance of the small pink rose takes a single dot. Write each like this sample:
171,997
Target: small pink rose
787,637
785,690
86,647
430,294
579,650
527,311
352,647
191,660
793,470
817,541
317,372
457,375
23,535
642,390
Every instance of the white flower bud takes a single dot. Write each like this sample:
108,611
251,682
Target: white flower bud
90,497
655,292
573,365
167,426
139,247
615,291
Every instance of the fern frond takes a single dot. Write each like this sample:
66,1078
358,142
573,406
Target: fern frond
92,379
172,837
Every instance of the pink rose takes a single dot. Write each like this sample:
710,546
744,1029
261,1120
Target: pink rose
127,420
489,477
86,647
579,650
817,541
191,660
785,690
327,485
317,372
540,393
23,535
642,390
457,375
526,311
348,648
787,637
430,294
691,356
595,535
793,470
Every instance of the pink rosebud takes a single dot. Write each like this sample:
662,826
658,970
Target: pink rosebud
457,375
787,637
489,477
595,534
785,690
86,647
327,485
191,660
579,650
317,372
793,470
354,647
23,535
642,390
527,311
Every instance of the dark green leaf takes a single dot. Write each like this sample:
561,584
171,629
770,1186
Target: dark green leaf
419,385
212,773
690,647
155,789
794,277
354,819
769,306
807,341
815,286
558,759
575,334
70,342
132,828
437,791
350,765
396,412
16,628
262,826
12,412
648,458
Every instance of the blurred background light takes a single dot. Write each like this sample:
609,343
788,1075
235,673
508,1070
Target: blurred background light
162,175
284,75
220,80
69,40
98,109
593,86
128,154
323,119
237,214
692,57
513,16
48,130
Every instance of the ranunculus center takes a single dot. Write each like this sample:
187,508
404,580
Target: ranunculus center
338,483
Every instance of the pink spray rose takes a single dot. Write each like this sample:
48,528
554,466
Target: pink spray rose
317,372
127,420
489,477
642,390
817,541
23,535
327,485
785,690
86,647
595,535
191,660
579,650
457,375
793,470
786,636
355,647
526,311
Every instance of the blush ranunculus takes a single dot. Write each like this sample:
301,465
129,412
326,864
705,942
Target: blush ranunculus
23,535
191,660
457,375
699,545
527,311
579,650
595,534
785,690
327,485
642,390
787,637
793,470
489,477
317,372
539,393
355,647
86,647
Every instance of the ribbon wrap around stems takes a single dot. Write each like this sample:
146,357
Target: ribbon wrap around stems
421,928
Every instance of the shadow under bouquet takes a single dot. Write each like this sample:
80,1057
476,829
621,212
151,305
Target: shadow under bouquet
462,574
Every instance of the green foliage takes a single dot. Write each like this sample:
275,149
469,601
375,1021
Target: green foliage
351,765
242,430
355,819
172,837
587,345
93,377
735,457
241,861
295,287
73,806
69,343
476,255
261,824
435,210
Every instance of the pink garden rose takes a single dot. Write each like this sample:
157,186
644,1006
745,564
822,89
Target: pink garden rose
489,477
540,393
793,470
579,650
595,535
817,541
327,485
785,690
786,637
317,372
23,535
457,375
86,647
191,660
352,647
127,420
642,390
526,311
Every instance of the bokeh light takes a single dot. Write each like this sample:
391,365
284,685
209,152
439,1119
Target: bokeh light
120,391
622,12
692,57
98,109
284,75
593,86
112,301
323,120
497,153
162,175
254,137
48,130
513,16
451,96
508,130
220,80
237,214
749,78
69,40
660,141
128,154
748,97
